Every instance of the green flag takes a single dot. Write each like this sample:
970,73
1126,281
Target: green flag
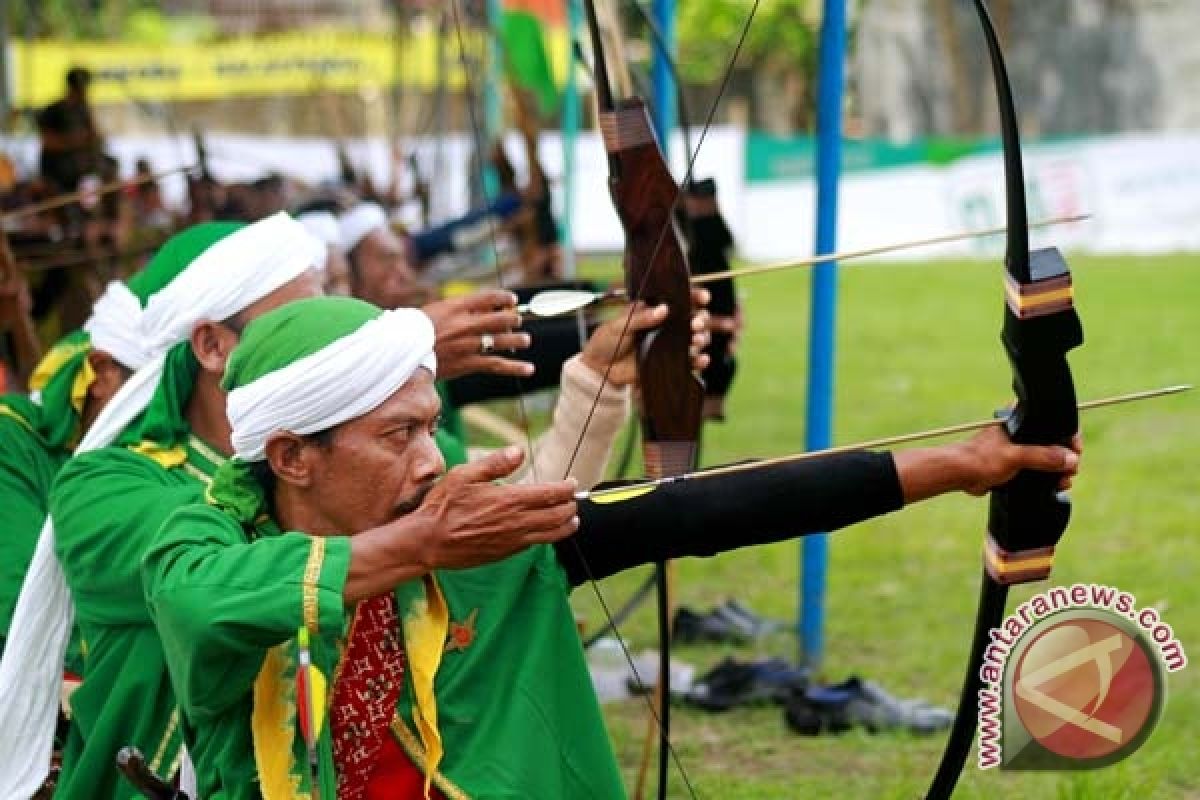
525,56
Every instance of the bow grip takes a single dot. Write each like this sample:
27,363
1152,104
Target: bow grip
656,271
1028,515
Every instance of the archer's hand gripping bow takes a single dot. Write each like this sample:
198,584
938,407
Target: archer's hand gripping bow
1027,515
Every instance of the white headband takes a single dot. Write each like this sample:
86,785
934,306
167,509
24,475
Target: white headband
359,221
344,380
115,326
230,275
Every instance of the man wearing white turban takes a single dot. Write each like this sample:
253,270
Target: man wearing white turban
380,270
332,628
68,389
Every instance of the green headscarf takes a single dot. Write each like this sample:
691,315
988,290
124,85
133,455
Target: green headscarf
291,332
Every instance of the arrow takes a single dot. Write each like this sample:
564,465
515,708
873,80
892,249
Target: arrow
619,493
76,258
61,200
881,249
560,302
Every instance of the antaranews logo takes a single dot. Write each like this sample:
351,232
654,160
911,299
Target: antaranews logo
1074,679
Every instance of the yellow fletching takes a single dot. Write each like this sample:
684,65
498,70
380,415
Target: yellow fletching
458,288
316,682
620,495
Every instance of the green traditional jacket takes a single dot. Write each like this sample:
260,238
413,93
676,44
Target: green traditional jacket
36,439
516,711
28,464
108,505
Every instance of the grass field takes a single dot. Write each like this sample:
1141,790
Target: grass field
917,348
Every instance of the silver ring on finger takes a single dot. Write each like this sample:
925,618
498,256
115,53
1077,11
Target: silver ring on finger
487,343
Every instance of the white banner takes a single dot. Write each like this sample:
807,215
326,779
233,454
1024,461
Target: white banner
1143,191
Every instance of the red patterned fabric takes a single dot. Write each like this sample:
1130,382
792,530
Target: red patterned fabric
364,696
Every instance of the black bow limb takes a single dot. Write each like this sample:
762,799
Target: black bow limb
1028,515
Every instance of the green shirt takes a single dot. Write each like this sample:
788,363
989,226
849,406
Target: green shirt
27,469
223,599
516,710
108,505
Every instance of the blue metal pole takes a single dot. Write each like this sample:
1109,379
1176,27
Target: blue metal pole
663,12
571,113
822,324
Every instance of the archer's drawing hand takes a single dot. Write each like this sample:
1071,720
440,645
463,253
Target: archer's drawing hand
474,331
470,520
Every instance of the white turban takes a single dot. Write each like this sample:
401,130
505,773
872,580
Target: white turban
230,275
115,326
359,221
323,225
347,378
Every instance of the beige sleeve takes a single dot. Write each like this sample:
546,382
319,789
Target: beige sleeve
553,449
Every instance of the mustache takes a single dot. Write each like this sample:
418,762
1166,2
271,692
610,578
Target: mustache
414,500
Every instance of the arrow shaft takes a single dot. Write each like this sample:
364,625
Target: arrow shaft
700,280
932,433
74,197
875,251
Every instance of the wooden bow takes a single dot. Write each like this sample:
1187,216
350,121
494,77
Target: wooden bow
646,199
709,242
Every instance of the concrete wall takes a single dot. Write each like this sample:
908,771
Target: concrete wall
1077,66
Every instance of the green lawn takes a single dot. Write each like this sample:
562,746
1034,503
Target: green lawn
917,348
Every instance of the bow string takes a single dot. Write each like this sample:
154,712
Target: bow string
648,203
670,403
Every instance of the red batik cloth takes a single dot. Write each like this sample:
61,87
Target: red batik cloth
369,762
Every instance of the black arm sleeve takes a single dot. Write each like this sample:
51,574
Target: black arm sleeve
555,340
703,517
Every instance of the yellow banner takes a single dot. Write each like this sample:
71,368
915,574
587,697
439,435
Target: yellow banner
291,63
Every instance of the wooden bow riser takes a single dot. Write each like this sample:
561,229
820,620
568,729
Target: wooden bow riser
656,271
